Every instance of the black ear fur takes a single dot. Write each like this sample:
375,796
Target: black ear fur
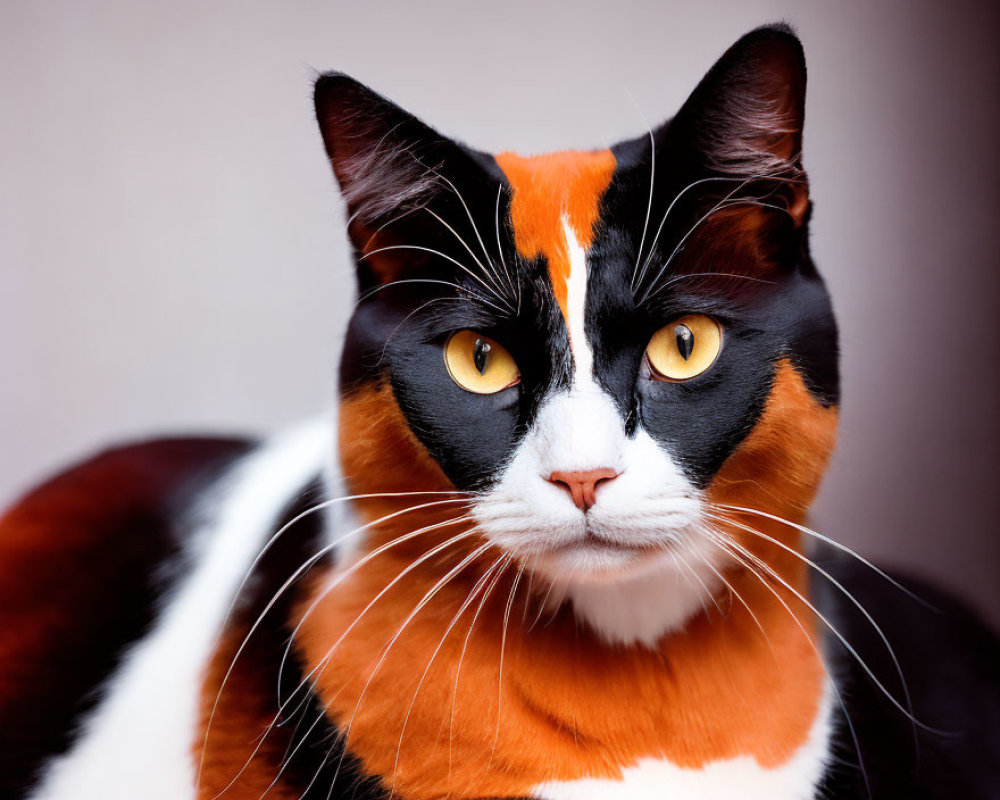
746,115
384,158
390,166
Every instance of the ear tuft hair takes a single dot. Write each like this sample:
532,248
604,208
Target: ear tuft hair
383,157
747,114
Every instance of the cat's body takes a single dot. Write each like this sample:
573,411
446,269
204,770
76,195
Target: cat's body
586,401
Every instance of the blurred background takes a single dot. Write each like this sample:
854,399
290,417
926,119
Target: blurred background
172,256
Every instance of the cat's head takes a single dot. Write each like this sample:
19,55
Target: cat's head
609,350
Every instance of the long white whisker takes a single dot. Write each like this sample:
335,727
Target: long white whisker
503,648
659,230
707,592
469,600
833,543
725,202
840,637
489,272
283,705
508,560
738,596
809,562
457,287
353,567
305,567
468,213
728,546
512,281
446,257
431,593
649,206
541,607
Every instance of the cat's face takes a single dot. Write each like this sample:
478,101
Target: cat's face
599,346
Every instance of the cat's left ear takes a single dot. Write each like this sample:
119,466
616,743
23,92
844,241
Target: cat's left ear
745,118
393,170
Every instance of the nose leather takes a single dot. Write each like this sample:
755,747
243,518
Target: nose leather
582,484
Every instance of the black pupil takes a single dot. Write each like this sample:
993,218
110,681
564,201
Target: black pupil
481,355
685,341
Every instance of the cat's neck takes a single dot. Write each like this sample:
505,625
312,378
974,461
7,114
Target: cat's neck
454,664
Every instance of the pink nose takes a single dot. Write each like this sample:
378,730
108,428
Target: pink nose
583,484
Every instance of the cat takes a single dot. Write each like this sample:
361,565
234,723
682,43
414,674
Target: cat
552,546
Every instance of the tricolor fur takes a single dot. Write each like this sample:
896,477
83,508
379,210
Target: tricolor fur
590,582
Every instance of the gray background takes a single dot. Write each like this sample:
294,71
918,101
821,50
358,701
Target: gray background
172,259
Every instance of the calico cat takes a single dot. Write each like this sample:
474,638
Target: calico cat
586,400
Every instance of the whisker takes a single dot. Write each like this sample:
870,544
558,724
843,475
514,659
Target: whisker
454,621
675,557
328,655
446,257
406,319
659,230
722,203
697,577
738,596
503,648
340,577
541,606
728,546
515,285
649,206
489,273
833,543
809,562
725,202
402,281
431,593
840,637
308,564
508,560
468,213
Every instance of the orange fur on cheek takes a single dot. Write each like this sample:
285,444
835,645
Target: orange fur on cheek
379,453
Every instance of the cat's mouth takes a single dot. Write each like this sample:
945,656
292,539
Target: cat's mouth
594,542
594,554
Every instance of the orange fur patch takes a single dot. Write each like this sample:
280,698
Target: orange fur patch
548,189
233,765
567,706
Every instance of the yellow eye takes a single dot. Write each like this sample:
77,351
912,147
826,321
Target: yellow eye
479,364
684,348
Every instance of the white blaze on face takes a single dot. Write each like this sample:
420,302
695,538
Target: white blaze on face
576,298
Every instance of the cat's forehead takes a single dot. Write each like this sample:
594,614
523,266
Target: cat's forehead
555,200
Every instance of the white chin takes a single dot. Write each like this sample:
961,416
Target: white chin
589,562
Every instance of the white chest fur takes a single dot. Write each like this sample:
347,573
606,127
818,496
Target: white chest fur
742,778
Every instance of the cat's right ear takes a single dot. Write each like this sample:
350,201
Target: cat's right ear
392,170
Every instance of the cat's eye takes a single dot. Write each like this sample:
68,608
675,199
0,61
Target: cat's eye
479,364
685,348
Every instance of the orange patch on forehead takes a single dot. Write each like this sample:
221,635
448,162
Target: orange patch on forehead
547,190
